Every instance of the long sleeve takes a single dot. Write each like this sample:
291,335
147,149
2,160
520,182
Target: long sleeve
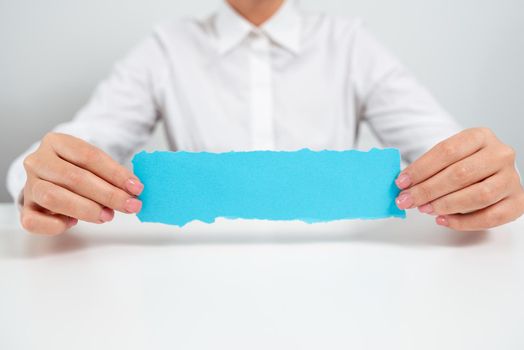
400,111
120,115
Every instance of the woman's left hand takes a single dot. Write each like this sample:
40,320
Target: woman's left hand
469,181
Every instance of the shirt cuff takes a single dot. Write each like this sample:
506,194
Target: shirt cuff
16,176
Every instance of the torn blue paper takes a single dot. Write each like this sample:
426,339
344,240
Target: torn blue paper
180,187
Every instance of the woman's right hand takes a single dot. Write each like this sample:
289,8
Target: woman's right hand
69,180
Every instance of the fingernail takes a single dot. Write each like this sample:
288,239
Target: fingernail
442,221
426,208
403,181
106,215
72,222
404,201
133,205
134,186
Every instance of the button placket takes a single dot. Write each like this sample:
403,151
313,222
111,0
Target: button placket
262,123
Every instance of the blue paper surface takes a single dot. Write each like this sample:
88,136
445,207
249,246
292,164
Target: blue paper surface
180,187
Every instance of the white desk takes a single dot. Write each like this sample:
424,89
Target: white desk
394,284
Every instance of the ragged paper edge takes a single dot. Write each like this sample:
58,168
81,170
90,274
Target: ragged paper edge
398,215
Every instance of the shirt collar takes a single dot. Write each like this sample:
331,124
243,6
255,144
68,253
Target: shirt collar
284,27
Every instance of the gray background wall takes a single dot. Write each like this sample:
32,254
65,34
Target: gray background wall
52,53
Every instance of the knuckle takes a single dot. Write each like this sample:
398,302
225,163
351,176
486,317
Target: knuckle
29,162
441,207
94,215
90,155
423,194
118,176
485,194
88,211
47,199
74,179
448,150
461,174
484,132
487,132
43,195
50,137
111,199
508,153
477,135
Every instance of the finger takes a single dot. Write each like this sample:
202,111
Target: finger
443,155
507,210
457,176
88,185
37,222
62,201
472,198
88,157
70,223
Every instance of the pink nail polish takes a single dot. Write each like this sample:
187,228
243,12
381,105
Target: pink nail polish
404,201
106,215
72,222
426,208
133,205
403,181
442,221
134,186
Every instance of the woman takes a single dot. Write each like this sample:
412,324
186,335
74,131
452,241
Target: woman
263,75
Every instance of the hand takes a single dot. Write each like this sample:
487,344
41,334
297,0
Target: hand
469,181
70,180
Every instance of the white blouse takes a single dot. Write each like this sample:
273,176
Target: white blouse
301,80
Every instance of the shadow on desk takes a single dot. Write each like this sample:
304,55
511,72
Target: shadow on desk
416,233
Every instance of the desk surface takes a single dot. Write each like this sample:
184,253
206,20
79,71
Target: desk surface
390,284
